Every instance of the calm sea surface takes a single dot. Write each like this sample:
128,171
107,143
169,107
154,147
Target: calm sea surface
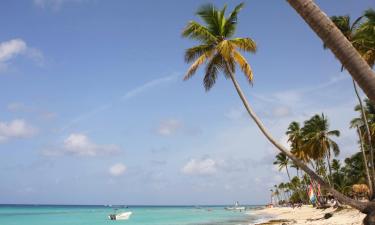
142,215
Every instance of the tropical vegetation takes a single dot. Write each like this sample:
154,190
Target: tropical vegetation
313,147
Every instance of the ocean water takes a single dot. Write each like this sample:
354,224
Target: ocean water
142,215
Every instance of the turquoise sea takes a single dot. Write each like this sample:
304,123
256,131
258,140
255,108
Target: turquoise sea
142,215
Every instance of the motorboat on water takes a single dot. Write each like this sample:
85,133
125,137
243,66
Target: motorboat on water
120,216
236,207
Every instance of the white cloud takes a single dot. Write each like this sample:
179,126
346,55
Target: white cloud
80,145
169,127
9,49
12,48
16,129
117,169
205,166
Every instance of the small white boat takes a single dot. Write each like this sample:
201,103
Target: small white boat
120,216
236,207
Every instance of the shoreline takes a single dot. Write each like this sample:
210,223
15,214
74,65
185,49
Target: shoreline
307,215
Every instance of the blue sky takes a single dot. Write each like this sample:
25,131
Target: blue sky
94,109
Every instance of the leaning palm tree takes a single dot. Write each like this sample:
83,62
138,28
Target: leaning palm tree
339,45
220,52
357,35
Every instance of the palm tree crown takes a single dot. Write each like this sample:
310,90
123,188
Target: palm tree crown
360,33
218,49
319,140
283,161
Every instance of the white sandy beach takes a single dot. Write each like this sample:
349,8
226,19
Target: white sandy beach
308,215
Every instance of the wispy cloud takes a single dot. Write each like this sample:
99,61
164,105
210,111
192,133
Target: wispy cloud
78,144
145,87
14,47
294,95
169,127
127,96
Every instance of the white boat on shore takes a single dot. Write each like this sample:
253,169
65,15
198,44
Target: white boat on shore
120,216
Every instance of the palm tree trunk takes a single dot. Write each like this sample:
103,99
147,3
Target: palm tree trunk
287,172
337,42
369,181
365,122
329,169
365,207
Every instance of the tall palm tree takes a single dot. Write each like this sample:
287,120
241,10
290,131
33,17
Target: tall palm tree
358,123
369,181
359,39
283,162
319,141
339,45
220,53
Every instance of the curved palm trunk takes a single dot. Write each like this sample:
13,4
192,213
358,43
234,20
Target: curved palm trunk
337,42
369,181
365,207
368,135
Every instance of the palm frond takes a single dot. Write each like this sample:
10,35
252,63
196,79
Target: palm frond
193,68
225,48
193,53
196,31
335,148
212,70
244,65
334,133
343,24
210,15
244,44
356,24
356,122
231,21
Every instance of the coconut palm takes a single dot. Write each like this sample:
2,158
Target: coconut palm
339,45
296,141
319,142
283,162
359,39
358,123
366,36
220,52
